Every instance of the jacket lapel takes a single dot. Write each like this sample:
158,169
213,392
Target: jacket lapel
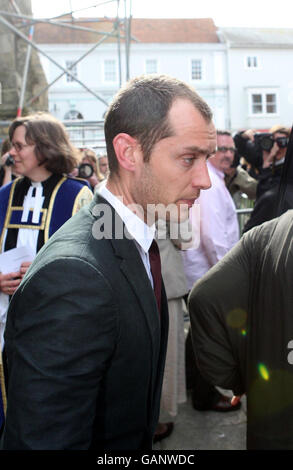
134,271
132,267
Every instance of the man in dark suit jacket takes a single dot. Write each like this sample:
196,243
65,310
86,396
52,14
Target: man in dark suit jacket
85,336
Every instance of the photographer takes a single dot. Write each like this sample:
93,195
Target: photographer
274,146
88,169
273,158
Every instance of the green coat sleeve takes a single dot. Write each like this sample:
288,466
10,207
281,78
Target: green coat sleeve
61,333
218,306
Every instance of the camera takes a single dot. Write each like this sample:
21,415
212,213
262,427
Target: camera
264,140
250,150
85,171
9,160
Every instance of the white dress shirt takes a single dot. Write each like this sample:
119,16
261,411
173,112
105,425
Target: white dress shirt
219,228
142,234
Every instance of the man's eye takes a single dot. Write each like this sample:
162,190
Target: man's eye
188,160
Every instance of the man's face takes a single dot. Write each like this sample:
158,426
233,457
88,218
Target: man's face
176,170
224,157
103,165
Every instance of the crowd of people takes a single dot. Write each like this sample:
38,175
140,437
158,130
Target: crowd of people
94,345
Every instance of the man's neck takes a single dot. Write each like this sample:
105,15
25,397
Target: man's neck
121,190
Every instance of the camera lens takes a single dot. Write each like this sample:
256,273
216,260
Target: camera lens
85,170
267,143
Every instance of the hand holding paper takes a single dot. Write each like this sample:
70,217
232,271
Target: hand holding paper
9,282
24,267
13,266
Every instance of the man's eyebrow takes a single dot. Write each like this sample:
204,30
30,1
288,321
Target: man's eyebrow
195,149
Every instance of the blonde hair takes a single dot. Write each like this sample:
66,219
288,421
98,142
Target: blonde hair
281,129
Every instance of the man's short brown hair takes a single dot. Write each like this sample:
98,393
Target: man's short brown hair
140,109
52,146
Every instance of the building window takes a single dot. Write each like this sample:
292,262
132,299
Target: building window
263,103
257,103
251,62
73,70
110,70
151,66
271,103
196,69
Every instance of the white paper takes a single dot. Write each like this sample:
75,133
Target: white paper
11,260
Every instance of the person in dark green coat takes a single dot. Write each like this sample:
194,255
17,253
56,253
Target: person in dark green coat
242,327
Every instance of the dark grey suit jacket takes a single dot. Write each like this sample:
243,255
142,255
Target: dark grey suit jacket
85,344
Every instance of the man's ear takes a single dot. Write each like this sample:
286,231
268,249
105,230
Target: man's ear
126,149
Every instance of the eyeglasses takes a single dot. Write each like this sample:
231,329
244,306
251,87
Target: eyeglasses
19,147
226,149
282,142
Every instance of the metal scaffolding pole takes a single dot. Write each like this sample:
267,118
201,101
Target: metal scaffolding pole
21,35
117,23
86,8
27,61
128,38
63,73
55,23
25,21
15,6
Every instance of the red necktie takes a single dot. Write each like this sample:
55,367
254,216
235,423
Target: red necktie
155,262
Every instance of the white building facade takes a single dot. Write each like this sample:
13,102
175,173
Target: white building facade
245,75
260,77
201,64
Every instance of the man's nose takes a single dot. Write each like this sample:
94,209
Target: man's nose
200,177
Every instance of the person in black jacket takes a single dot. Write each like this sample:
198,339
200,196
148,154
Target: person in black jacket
269,180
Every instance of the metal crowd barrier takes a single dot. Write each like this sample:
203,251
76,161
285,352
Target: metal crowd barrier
243,216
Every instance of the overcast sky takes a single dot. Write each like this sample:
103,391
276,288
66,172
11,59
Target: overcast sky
248,13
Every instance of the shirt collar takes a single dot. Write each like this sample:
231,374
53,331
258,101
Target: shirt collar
220,173
137,228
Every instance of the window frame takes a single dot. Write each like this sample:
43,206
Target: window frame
201,60
68,79
263,92
255,56
145,66
110,82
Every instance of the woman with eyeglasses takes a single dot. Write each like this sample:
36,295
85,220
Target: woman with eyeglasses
35,205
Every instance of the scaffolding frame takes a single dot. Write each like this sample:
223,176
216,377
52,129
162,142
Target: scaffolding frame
28,21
